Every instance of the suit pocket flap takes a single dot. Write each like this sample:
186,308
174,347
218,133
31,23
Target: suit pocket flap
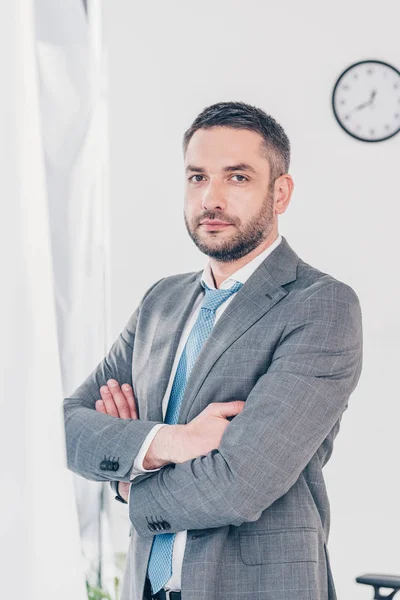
280,546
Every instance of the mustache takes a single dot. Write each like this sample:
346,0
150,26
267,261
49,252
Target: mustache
216,216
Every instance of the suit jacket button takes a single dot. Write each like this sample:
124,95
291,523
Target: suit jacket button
109,465
152,525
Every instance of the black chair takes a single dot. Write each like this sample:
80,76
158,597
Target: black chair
378,581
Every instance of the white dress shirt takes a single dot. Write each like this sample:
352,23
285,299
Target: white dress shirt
242,274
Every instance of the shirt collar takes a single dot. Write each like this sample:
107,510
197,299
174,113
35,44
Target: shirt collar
241,274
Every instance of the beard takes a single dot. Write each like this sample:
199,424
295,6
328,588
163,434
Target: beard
246,238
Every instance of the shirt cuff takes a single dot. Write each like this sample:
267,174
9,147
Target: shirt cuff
137,468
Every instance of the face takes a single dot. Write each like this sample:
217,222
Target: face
227,178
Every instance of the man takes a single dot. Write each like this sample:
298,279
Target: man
237,377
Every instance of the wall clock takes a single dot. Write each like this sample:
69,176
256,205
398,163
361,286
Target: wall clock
366,101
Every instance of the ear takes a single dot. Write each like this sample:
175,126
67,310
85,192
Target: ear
283,189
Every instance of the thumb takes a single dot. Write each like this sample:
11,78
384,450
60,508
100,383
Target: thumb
230,409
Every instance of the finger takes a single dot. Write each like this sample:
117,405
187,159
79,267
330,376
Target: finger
119,399
229,409
123,489
108,400
128,392
99,404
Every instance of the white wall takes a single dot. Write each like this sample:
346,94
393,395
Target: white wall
168,60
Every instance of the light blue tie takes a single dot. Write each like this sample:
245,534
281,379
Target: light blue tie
160,561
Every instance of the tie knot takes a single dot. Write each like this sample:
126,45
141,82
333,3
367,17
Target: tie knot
214,298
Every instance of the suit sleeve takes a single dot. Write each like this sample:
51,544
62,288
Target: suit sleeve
287,416
101,447
138,468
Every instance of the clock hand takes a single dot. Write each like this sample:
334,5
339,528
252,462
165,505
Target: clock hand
363,105
370,101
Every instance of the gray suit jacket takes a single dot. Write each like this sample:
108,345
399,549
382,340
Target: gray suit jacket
256,509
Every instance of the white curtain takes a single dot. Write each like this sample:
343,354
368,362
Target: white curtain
39,535
53,300
73,93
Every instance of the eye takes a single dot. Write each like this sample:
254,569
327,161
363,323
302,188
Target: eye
243,178
195,180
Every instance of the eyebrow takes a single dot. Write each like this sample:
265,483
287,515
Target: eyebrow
228,169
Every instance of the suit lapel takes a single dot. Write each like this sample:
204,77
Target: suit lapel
171,323
257,296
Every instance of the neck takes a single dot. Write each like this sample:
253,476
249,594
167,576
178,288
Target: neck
222,270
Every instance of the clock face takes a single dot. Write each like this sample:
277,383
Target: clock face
366,101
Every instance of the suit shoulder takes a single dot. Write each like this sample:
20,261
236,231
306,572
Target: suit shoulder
168,283
314,283
177,280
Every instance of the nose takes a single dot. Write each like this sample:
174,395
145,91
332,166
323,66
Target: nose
213,197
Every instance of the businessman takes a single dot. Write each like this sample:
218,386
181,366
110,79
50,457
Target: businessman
216,408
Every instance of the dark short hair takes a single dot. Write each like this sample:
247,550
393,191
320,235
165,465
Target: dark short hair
239,115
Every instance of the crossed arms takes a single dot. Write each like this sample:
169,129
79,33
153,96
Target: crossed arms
287,415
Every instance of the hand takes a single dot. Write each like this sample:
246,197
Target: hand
205,432
118,402
179,443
